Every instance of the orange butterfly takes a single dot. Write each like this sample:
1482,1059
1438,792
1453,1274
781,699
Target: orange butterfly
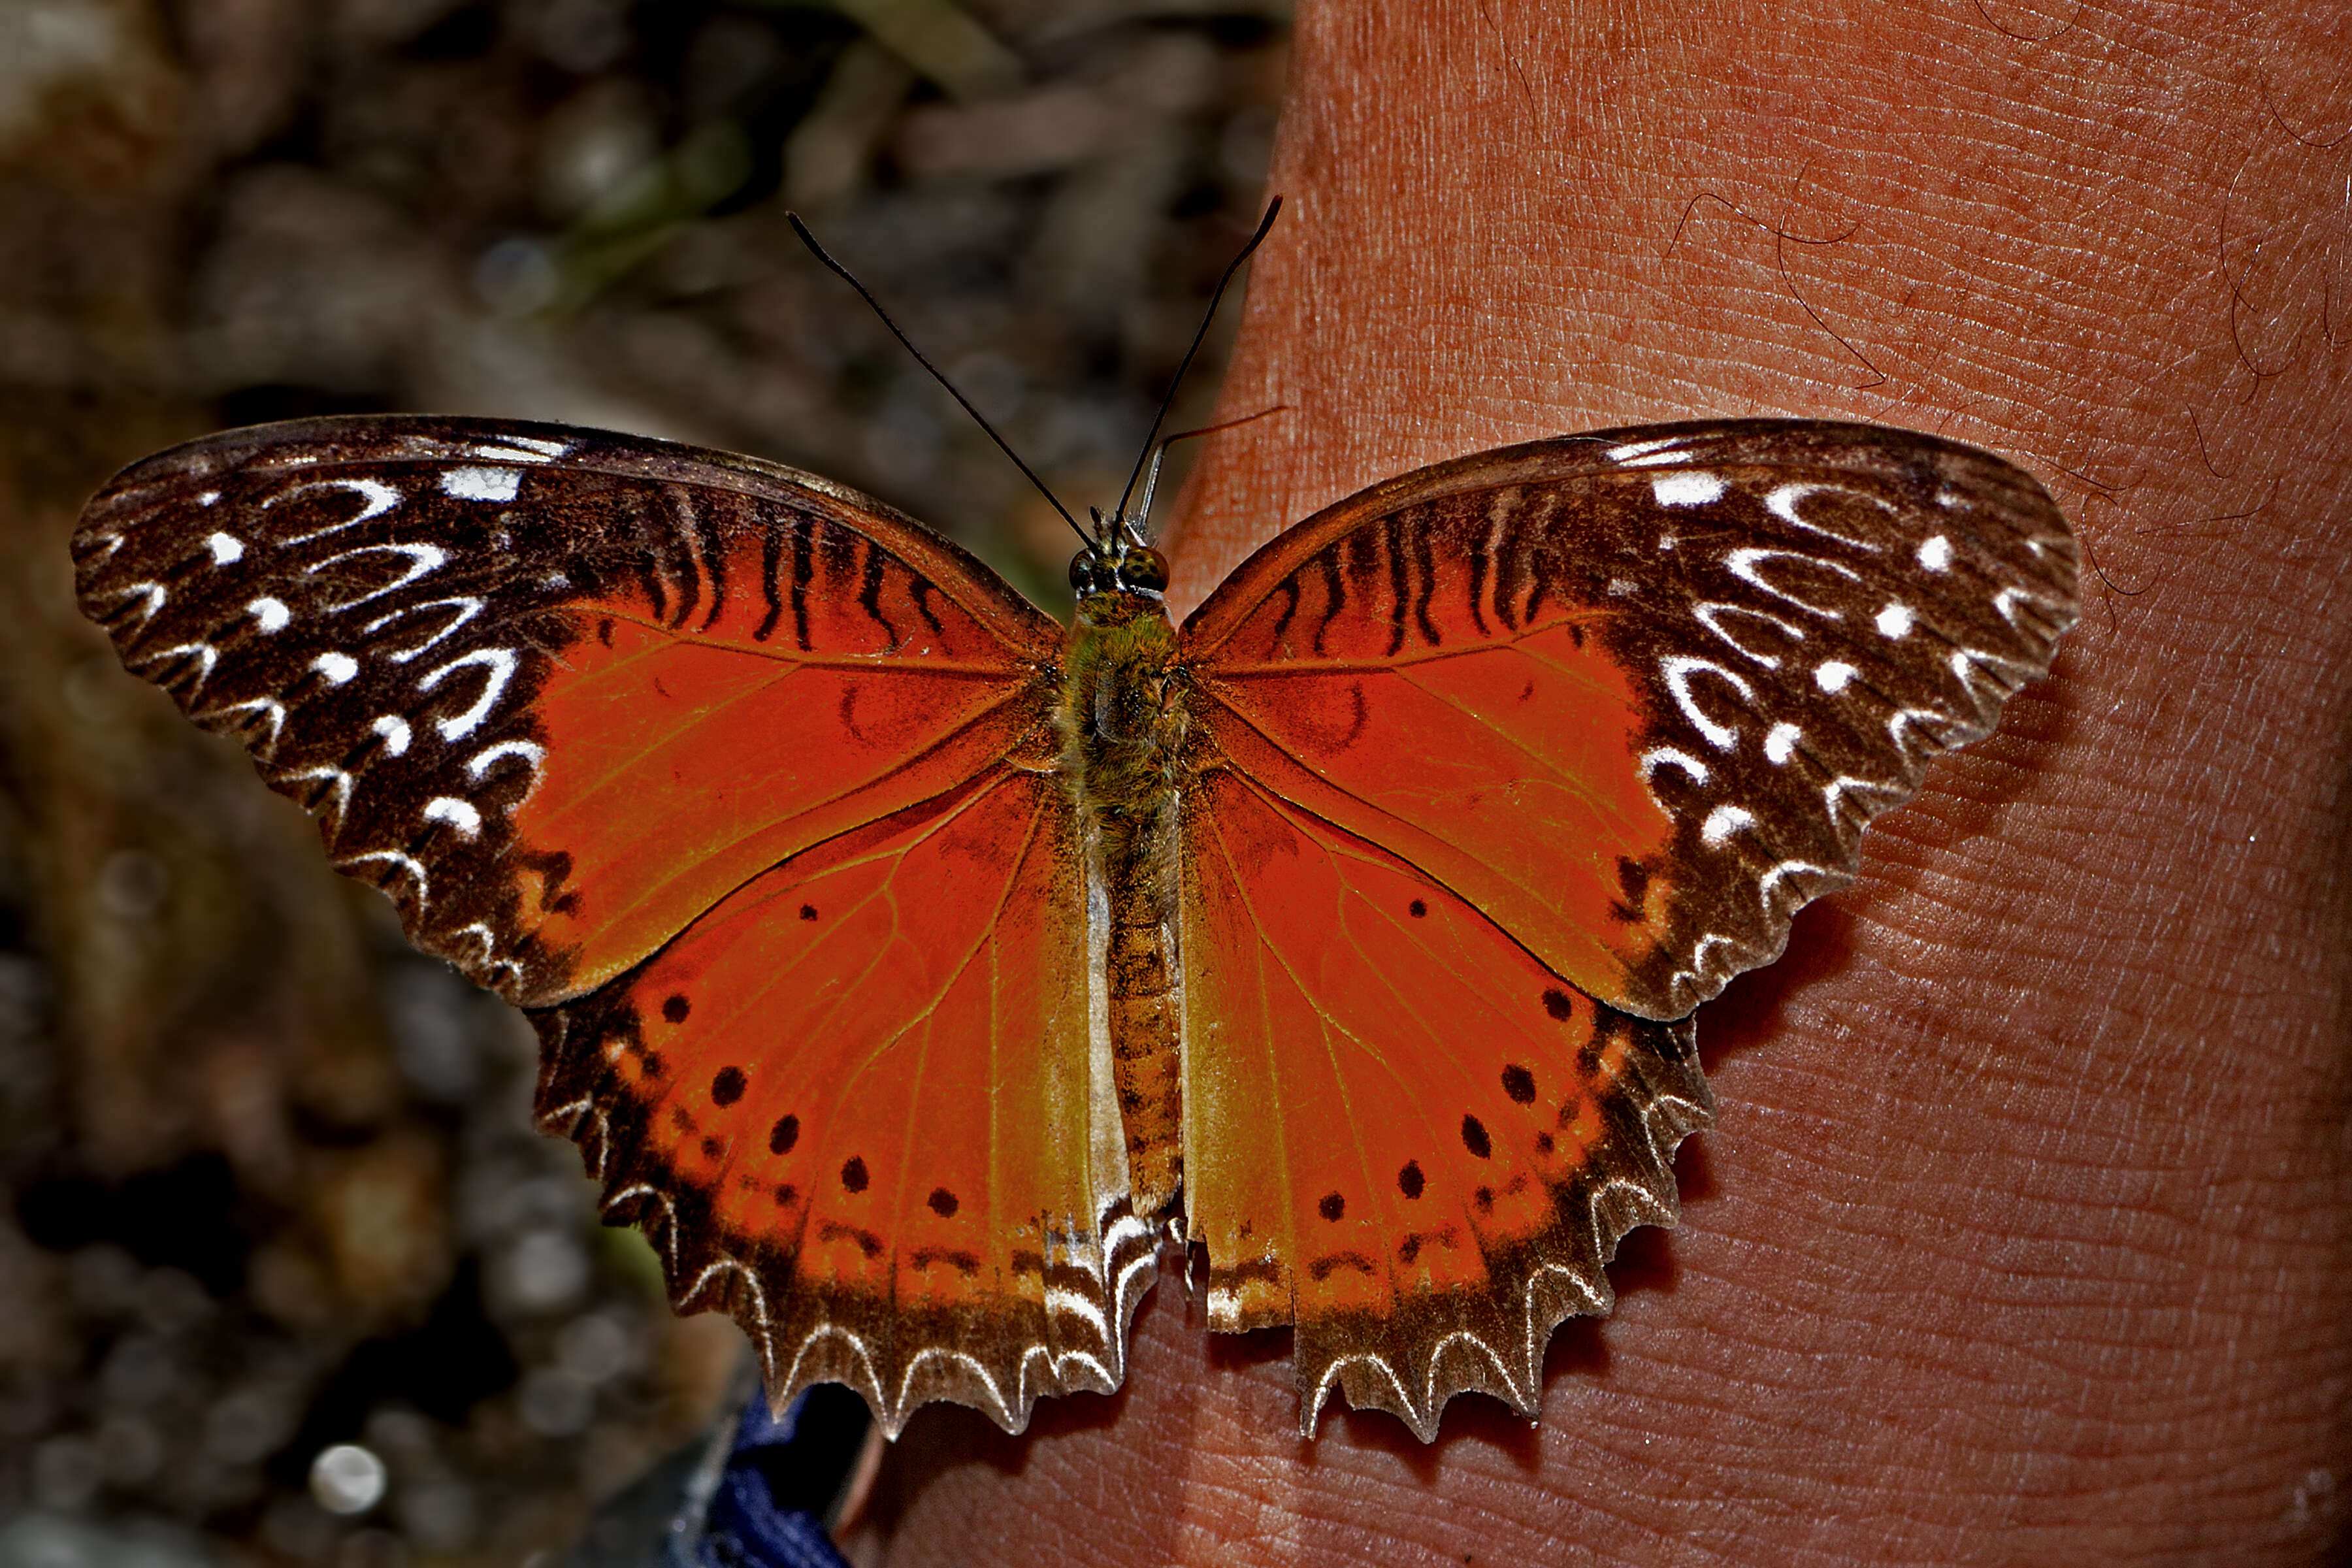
914,968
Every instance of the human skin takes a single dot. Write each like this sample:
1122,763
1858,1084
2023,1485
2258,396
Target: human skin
2023,1234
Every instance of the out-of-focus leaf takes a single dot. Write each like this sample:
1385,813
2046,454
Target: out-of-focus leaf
940,39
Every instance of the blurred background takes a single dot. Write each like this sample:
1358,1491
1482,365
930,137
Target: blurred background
271,1188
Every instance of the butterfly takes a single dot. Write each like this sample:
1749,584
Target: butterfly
914,968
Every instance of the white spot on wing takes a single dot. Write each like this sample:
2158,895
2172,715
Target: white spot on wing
1668,757
1723,822
1634,452
422,559
225,548
1743,564
1782,503
1781,743
458,813
500,664
1935,553
272,613
481,484
379,498
1896,621
1677,670
208,498
1834,675
153,592
466,607
1707,614
531,754
394,731
338,668
1687,488
523,450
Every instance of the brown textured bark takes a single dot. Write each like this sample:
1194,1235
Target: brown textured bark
2024,1232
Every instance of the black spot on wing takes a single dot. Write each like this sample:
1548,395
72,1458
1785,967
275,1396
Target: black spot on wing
1426,563
1289,589
1481,564
1334,595
869,591
920,591
1410,1180
1475,1139
804,570
853,1174
772,560
784,1134
726,1088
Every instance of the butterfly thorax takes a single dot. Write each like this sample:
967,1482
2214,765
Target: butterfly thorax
1122,727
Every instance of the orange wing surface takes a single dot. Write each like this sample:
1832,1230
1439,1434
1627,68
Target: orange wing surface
1403,1134
578,700
858,1104
1616,704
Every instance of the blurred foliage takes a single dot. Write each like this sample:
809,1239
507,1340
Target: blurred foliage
272,1184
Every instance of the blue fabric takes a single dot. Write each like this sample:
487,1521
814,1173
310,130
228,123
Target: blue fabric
745,1529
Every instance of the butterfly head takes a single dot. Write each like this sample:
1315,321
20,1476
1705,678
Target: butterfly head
1116,561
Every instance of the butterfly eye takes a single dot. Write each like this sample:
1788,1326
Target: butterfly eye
1145,569
1085,574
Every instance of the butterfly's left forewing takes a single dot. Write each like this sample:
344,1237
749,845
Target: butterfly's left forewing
1605,711
742,785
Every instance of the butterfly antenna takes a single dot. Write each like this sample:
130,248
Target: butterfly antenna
1151,480
977,416
1273,208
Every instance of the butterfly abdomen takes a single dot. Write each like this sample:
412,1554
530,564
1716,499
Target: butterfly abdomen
1122,731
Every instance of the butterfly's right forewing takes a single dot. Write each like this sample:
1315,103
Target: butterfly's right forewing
556,693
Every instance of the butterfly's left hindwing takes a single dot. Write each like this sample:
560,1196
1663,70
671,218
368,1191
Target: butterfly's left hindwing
1403,1134
742,785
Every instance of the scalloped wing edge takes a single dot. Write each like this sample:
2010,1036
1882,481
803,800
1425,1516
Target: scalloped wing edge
1495,1341
897,1359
